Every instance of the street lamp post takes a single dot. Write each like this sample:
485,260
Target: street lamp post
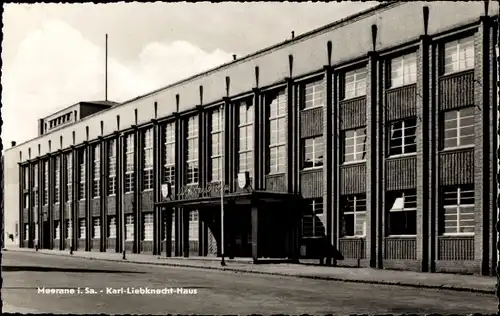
221,126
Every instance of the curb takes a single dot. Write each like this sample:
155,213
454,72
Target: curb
302,276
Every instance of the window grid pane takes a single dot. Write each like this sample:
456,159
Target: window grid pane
96,185
216,144
355,83
46,182
458,128
192,151
314,94
354,215
129,163
69,177
57,179
96,224
169,154
129,228
81,188
277,140
313,151
354,146
458,210
404,70
246,130
112,167
111,227
459,55
147,176
148,227
312,219
403,139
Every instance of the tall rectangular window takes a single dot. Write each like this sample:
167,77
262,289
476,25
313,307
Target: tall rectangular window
403,137
35,186
46,182
313,150
69,229
314,94
458,128
112,167
353,210
83,228
96,183
35,176
402,212
148,160
169,154
57,179
129,163
404,70
129,228
192,151
26,176
165,228
96,225
245,130
111,226
354,145
26,231
81,186
277,104
26,183
57,229
457,210
312,219
147,222
69,177
193,225
459,55
217,143
355,83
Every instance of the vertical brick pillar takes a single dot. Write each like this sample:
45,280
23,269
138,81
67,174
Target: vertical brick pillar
291,119
202,169
137,189
481,152
374,221
180,159
157,197
423,158
21,205
103,193
74,198
433,155
52,178
39,215
328,211
89,157
257,154
335,153
120,170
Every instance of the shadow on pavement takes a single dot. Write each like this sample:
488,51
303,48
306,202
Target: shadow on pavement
53,269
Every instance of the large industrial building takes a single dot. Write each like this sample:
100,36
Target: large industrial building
368,141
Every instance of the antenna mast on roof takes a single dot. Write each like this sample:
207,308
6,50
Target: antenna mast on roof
106,71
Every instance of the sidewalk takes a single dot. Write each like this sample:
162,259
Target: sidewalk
480,284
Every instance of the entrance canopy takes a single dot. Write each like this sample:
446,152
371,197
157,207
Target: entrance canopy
247,198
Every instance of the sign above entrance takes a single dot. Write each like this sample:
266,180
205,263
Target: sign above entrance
190,192
243,179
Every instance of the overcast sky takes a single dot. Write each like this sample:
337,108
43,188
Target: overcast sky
53,54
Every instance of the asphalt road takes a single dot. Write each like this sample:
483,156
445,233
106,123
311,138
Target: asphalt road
217,292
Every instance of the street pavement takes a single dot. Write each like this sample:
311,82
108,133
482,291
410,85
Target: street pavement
206,291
